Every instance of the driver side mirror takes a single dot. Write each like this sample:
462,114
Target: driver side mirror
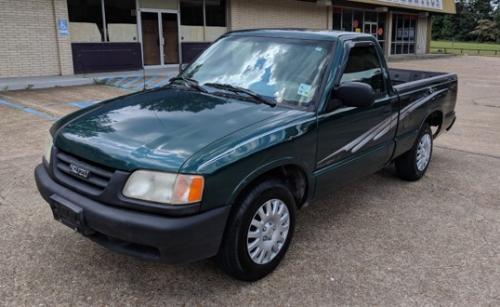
354,94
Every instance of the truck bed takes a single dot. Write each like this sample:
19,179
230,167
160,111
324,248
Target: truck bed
400,76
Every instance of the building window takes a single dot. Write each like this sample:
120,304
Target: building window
89,24
215,13
121,20
365,21
86,22
346,20
337,18
192,12
357,21
210,13
403,34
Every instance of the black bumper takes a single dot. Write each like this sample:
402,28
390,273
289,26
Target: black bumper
140,234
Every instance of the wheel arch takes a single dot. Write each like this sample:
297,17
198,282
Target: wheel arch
434,119
291,172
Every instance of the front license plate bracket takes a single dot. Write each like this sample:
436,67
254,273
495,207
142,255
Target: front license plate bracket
68,213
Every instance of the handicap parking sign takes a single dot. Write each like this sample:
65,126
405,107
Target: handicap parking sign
62,27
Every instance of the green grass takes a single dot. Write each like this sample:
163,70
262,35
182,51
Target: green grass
465,48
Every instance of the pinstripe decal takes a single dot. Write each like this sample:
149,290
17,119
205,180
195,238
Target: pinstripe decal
379,130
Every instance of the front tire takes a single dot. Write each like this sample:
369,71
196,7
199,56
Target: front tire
259,232
412,165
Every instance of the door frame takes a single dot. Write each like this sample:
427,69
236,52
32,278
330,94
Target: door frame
371,24
159,13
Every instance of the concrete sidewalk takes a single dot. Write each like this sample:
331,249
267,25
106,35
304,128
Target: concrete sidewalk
132,80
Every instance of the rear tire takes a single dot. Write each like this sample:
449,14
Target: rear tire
264,221
413,164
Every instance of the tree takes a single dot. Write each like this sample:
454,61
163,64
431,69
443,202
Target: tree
464,25
482,9
466,20
486,31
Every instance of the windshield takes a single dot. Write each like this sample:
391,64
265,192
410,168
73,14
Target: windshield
285,70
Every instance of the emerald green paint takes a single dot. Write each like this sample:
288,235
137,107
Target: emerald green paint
159,129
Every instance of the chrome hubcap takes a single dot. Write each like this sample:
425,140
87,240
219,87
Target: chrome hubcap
268,231
424,151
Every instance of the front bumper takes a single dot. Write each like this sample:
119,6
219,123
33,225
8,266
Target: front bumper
140,234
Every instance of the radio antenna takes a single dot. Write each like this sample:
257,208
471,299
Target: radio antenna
143,78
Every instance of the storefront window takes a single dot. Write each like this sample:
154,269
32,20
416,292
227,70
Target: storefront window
87,23
357,21
121,20
216,13
192,13
403,34
381,29
337,18
346,20
365,21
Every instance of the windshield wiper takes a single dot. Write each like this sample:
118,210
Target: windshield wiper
240,90
189,82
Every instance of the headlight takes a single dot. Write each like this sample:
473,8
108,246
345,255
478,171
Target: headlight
166,188
48,148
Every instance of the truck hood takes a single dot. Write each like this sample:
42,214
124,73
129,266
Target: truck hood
158,130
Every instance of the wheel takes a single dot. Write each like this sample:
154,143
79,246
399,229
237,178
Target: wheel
412,165
259,232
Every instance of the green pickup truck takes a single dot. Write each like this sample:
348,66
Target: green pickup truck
218,162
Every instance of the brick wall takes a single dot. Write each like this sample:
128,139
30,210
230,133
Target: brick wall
278,14
29,43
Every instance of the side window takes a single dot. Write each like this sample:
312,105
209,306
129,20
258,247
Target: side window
364,66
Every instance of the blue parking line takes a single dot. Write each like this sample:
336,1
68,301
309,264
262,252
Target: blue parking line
150,83
163,82
128,83
122,81
112,81
16,106
82,104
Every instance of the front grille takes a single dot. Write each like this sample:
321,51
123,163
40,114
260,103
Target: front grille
82,174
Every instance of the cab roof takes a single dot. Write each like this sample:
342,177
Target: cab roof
301,34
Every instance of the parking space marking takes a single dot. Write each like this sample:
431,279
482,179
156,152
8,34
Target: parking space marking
82,104
31,111
128,84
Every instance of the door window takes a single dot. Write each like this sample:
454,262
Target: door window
150,38
364,66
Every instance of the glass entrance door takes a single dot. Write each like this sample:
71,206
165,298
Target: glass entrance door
150,38
371,28
170,38
160,38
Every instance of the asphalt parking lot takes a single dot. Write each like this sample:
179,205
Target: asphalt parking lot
380,241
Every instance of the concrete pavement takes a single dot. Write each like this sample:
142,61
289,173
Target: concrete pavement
380,241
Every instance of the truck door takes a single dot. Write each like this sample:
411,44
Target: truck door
353,142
